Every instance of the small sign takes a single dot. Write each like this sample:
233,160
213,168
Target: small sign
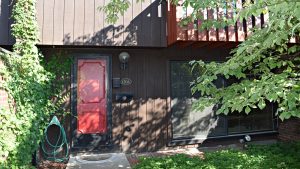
126,81
116,82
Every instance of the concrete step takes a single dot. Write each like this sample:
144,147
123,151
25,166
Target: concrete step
98,161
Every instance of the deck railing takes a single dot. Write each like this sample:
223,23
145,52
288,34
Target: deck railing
191,32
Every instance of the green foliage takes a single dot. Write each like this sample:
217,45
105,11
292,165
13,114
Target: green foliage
114,8
281,156
59,69
266,55
35,90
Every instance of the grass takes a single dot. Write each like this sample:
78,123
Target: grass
277,156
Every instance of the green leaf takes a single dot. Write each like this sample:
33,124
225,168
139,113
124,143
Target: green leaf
261,104
247,110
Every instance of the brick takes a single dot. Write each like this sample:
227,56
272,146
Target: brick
289,130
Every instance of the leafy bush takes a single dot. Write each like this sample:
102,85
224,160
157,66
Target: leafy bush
35,89
280,155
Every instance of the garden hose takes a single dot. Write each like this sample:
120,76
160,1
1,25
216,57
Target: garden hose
52,152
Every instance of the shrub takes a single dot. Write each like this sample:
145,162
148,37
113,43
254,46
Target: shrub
280,155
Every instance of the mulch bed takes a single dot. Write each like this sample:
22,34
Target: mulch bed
51,165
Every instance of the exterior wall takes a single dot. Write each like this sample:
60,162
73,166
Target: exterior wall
69,22
3,94
5,22
289,130
144,123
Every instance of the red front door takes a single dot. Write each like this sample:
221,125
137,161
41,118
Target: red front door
91,96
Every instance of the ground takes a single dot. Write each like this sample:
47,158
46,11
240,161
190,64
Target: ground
283,155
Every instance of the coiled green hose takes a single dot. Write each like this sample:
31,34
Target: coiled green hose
52,153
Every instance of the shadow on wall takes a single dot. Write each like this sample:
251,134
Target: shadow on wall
137,126
137,33
190,123
144,125
140,125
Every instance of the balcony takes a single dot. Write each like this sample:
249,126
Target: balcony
228,37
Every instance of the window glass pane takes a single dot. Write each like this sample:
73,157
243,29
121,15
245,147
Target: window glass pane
263,119
233,123
257,120
187,123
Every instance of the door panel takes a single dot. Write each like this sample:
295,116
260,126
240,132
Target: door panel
91,96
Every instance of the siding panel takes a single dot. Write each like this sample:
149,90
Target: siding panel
146,23
133,113
127,26
117,114
69,15
59,7
79,21
163,23
98,37
89,18
108,31
155,31
134,29
118,28
4,28
142,115
48,26
40,17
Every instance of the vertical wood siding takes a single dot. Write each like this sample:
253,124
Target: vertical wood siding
48,23
79,22
69,22
148,114
143,124
58,15
4,10
5,22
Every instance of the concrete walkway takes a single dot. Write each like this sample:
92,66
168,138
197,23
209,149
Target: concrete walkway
98,161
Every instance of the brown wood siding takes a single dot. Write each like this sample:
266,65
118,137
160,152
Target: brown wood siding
5,22
143,124
79,22
47,28
40,17
69,18
58,15
4,10
99,18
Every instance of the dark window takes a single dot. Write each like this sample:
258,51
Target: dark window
188,123
257,120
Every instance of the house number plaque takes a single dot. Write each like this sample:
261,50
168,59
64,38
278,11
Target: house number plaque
126,81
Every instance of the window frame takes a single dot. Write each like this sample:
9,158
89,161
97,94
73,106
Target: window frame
194,140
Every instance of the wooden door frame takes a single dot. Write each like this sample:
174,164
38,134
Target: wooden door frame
108,75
